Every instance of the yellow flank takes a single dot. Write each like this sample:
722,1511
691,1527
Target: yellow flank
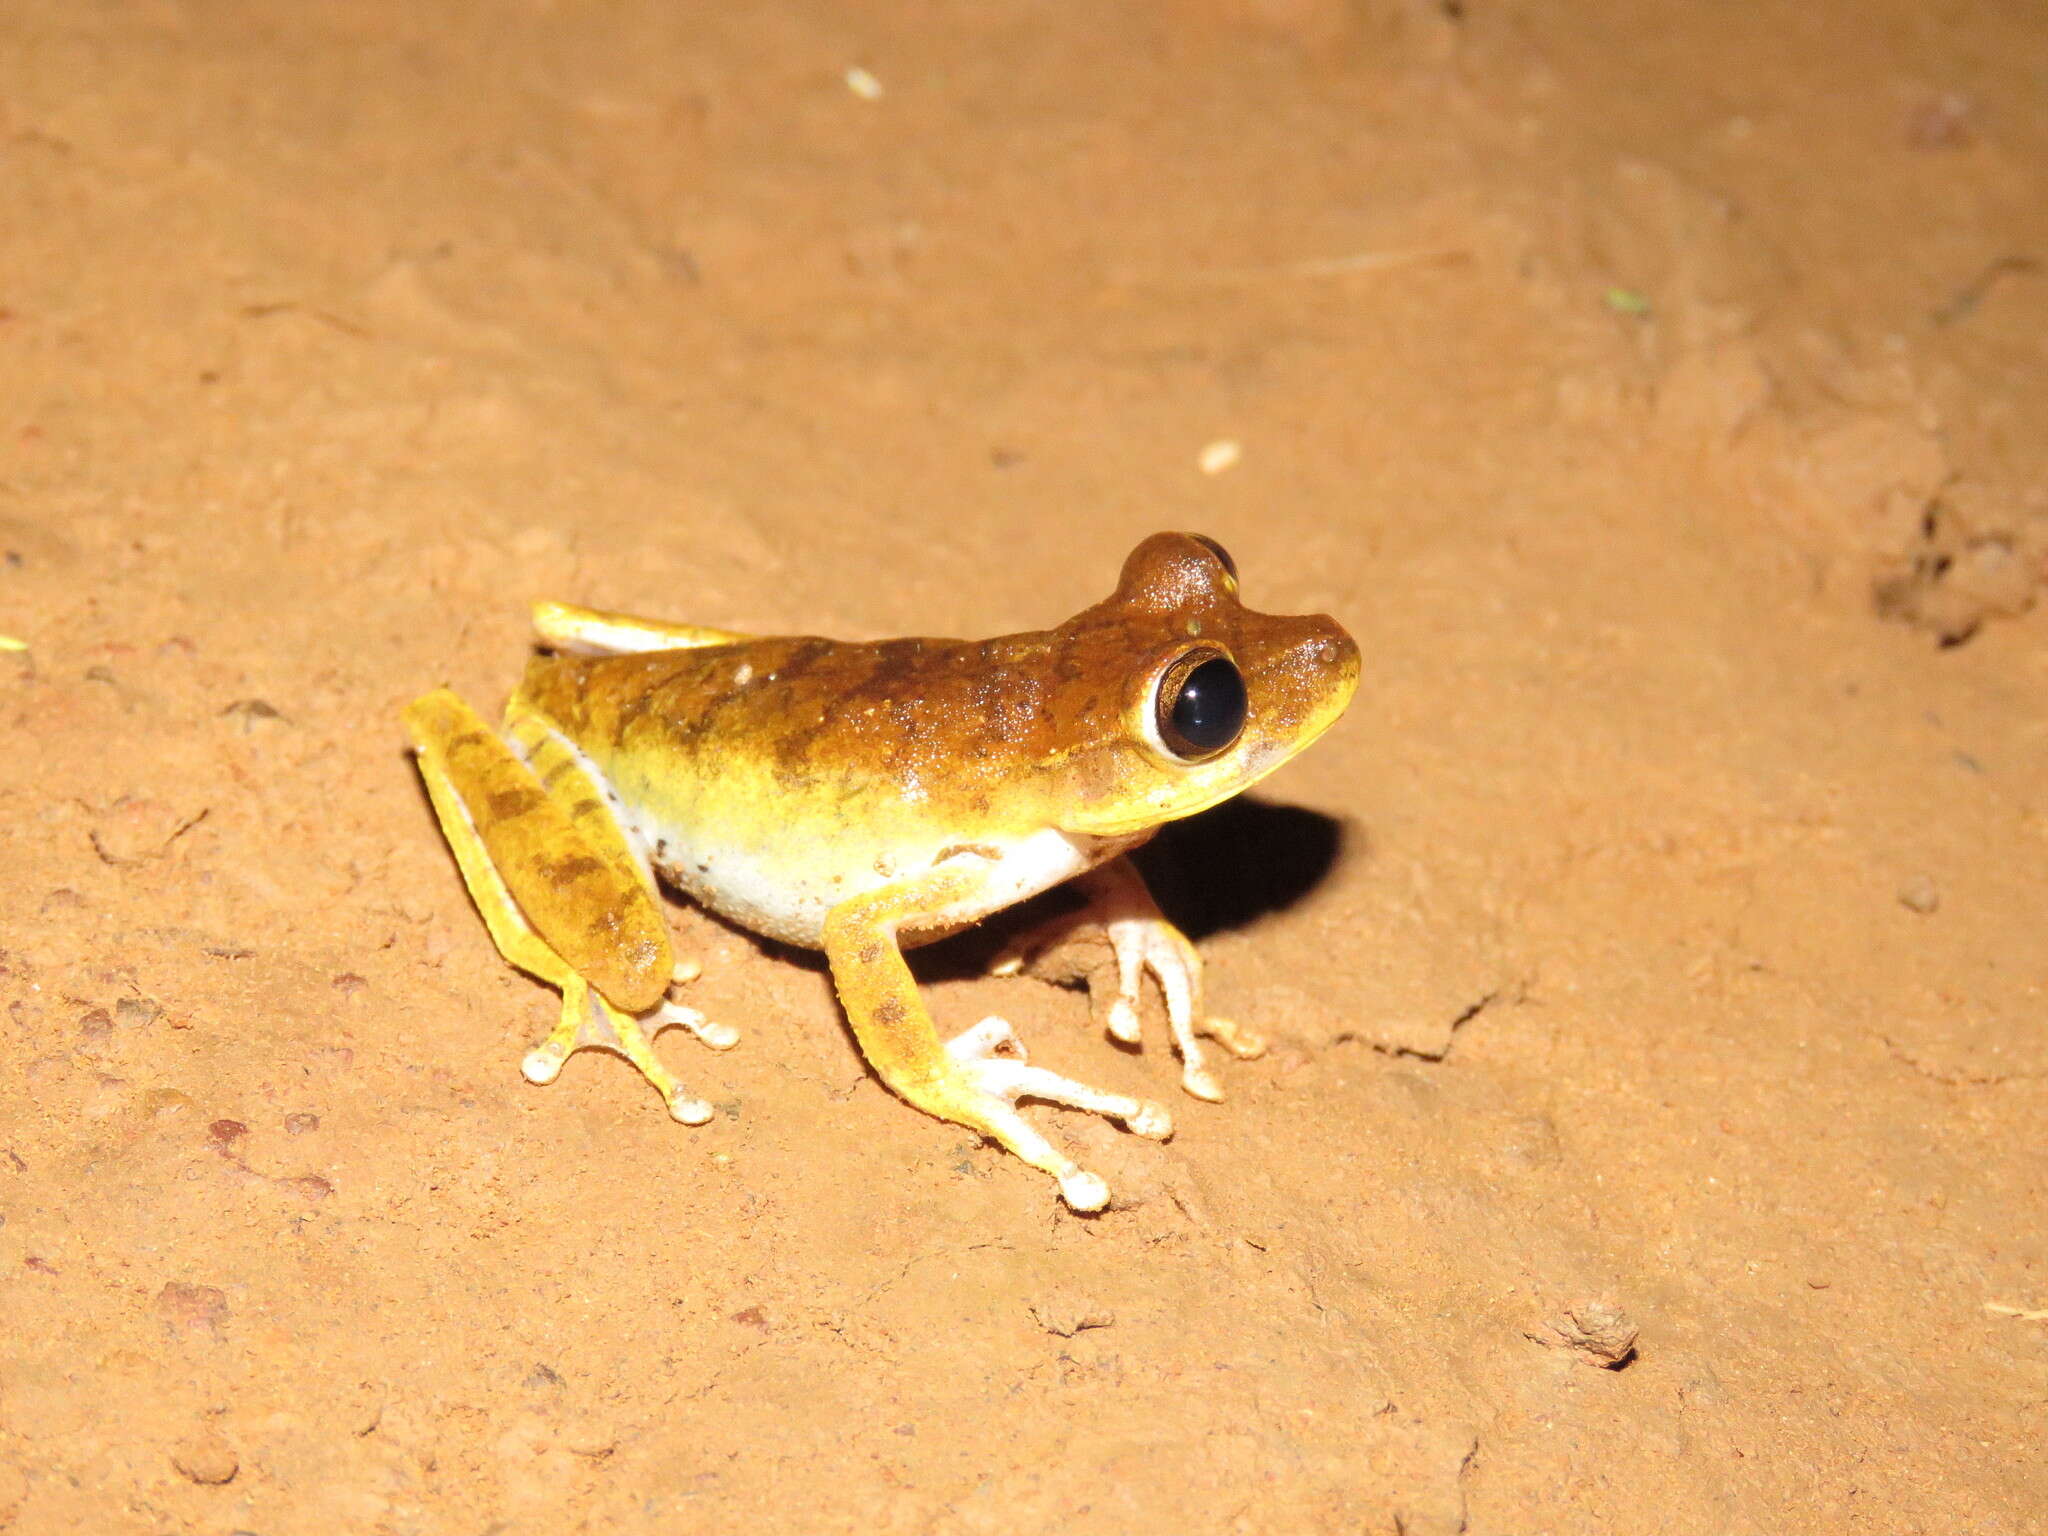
861,798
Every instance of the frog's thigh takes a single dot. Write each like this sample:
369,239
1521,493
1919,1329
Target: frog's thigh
435,722
976,1080
553,844
442,727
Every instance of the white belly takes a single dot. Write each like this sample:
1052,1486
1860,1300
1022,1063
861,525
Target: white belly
786,890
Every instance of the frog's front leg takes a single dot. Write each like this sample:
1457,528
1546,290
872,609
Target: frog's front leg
976,1079
1140,939
561,892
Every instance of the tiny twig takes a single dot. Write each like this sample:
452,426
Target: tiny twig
293,307
1974,292
2024,1314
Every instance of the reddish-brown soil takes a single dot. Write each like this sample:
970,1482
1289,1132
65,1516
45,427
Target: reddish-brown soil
1658,391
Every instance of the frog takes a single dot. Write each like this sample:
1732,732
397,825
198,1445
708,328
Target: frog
864,798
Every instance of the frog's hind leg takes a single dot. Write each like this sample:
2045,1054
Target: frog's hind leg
590,1023
520,848
598,632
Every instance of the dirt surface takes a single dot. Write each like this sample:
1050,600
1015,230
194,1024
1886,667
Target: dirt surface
1653,1139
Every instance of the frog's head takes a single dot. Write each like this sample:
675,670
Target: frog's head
1193,696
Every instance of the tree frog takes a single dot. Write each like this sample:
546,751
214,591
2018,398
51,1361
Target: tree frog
865,797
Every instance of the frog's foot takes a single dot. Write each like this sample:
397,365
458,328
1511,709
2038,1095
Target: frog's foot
991,1060
590,1023
1112,945
1123,920
720,1037
1152,945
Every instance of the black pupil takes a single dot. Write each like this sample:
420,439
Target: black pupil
1208,712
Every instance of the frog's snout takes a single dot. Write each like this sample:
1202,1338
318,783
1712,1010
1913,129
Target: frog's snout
1333,652
1315,674
1327,656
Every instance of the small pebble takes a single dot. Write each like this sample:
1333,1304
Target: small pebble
1919,894
1220,455
1067,1313
136,1012
165,1102
589,1438
207,1458
300,1124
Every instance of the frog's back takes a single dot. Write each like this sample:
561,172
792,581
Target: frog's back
673,701
888,713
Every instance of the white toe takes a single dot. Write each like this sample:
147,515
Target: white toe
1123,1021
1084,1191
688,1110
1150,1121
720,1037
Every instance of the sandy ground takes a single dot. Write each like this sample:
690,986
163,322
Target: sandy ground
1658,391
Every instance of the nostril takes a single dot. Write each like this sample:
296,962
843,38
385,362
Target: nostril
1327,650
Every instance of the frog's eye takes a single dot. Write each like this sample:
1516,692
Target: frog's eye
1222,555
1199,708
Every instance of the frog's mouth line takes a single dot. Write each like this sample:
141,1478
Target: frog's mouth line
1233,786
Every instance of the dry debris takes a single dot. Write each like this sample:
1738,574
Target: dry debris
1597,1332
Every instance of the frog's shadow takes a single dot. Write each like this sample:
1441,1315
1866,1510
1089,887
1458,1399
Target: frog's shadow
1230,866
1223,869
